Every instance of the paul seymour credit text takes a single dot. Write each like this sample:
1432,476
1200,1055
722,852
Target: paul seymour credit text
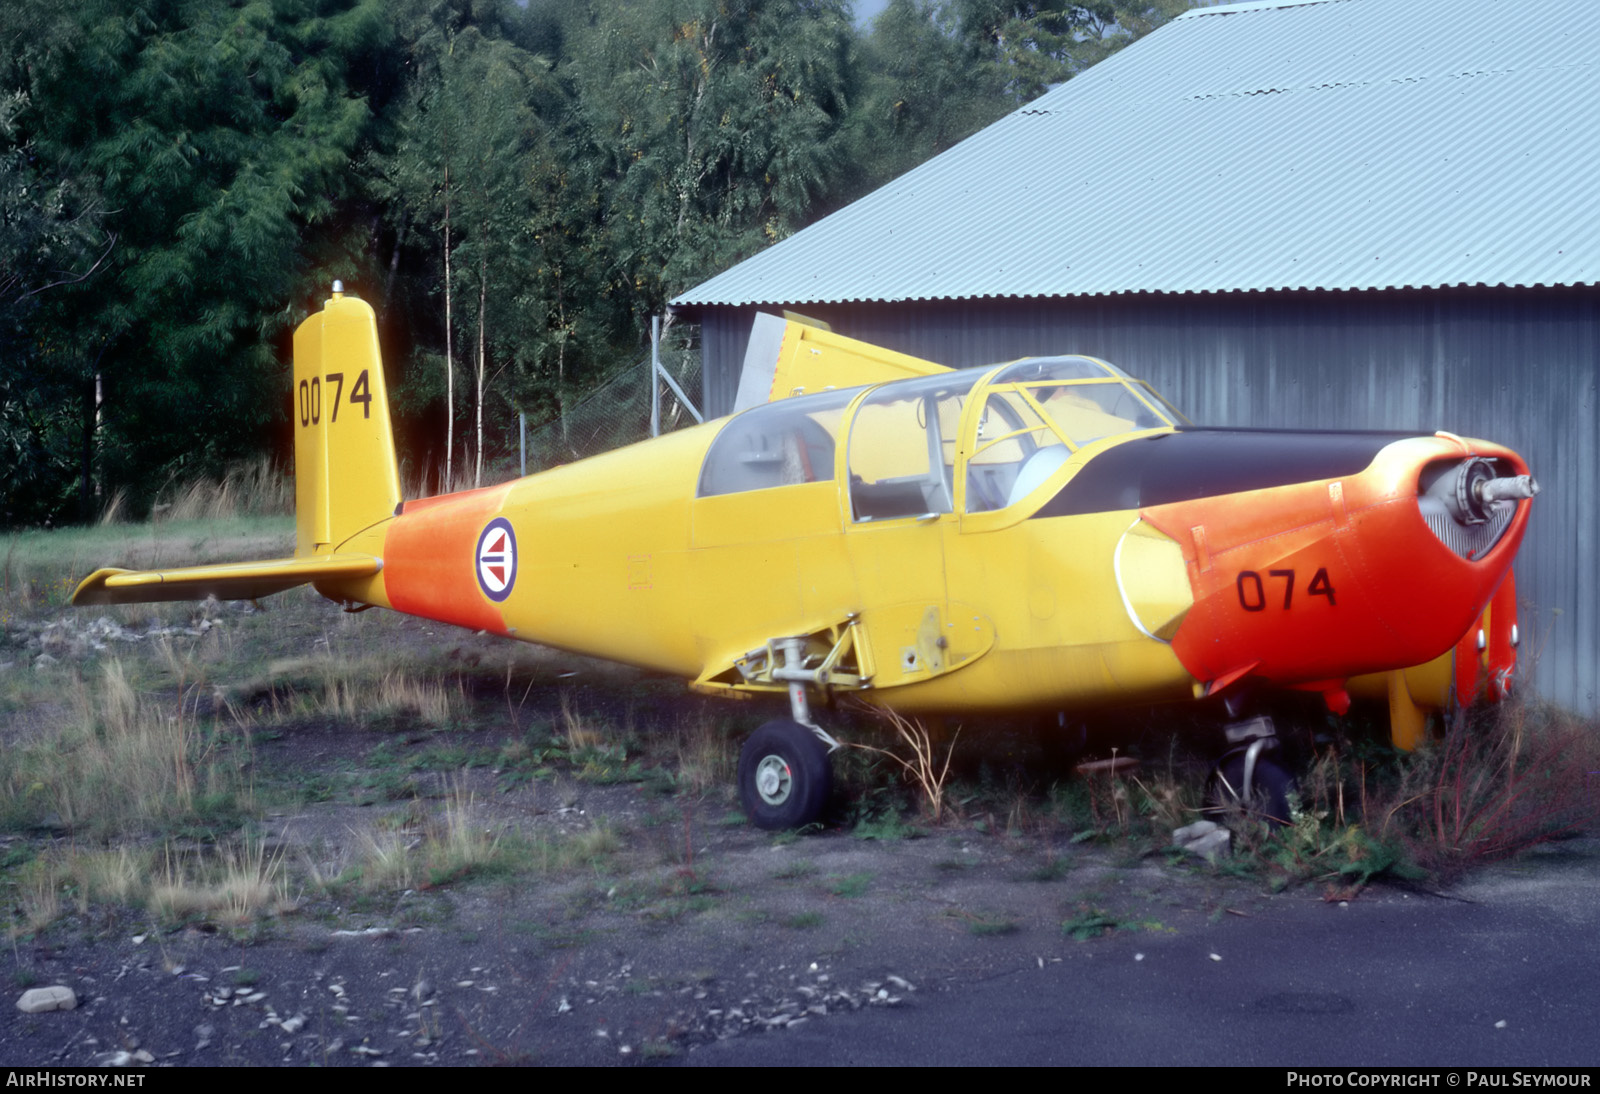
1455,1077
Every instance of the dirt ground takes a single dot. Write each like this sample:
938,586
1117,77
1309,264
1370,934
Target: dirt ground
701,929
680,926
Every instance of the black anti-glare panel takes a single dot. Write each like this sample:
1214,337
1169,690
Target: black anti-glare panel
1203,463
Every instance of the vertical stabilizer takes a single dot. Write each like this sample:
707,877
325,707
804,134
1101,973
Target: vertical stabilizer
345,473
793,356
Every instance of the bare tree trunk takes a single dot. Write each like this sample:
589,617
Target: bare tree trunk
85,492
394,258
449,352
483,298
93,399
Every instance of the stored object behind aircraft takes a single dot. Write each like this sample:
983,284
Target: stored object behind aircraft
1043,535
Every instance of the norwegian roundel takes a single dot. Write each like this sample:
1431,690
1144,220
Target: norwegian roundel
497,559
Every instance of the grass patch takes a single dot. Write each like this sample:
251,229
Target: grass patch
40,568
445,848
986,925
849,886
803,921
1090,922
1051,869
793,871
116,762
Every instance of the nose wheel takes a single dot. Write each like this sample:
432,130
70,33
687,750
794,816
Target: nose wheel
1247,781
784,776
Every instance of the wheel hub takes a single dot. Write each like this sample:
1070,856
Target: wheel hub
774,781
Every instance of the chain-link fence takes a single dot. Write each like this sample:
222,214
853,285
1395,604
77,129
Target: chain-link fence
614,413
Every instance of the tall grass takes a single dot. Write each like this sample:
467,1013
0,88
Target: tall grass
230,885
924,769
117,762
1501,780
249,489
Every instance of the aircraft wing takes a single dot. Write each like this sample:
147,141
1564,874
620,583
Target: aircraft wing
790,357
229,581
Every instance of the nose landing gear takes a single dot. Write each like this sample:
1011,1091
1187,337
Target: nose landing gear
1251,776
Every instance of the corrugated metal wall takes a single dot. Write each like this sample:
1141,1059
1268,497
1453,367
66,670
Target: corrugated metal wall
1516,366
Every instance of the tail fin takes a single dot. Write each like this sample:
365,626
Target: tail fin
345,474
793,355
346,478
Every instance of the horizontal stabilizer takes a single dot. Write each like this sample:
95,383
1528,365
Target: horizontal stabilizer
229,581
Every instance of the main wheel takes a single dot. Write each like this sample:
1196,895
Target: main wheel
784,776
1270,788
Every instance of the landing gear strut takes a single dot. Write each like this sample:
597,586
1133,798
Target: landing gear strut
785,776
1250,776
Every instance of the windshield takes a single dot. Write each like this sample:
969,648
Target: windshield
1040,410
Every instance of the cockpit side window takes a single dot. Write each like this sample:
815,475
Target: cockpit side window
903,447
785,443
1015,443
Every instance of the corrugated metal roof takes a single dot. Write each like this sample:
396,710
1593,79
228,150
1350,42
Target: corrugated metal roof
1329,144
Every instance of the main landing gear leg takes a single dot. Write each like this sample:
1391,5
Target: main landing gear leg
785,776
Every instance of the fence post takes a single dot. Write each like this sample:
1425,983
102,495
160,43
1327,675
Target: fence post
655,372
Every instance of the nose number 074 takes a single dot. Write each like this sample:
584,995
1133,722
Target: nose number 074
1253,589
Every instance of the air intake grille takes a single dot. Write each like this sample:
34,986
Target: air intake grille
1470,541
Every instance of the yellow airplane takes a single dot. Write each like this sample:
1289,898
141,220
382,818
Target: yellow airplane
1047,534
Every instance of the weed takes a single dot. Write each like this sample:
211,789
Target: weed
986,925
706,757
1051,869
924,768
1107,790
888,825
118,763
849,885
1091,922
458,846
234,887
799,868
250,488
1499,782
803,921
580,733
40,903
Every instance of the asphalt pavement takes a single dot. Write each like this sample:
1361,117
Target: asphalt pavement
1502,970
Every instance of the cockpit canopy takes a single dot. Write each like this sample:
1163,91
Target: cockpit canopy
982,438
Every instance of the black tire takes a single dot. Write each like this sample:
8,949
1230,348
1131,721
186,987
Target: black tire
1269,797
784,776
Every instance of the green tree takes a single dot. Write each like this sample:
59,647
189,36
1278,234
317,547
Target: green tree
471,151
717,124
219,133
50,240
1032,45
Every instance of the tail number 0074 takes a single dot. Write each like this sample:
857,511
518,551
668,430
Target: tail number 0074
310,396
